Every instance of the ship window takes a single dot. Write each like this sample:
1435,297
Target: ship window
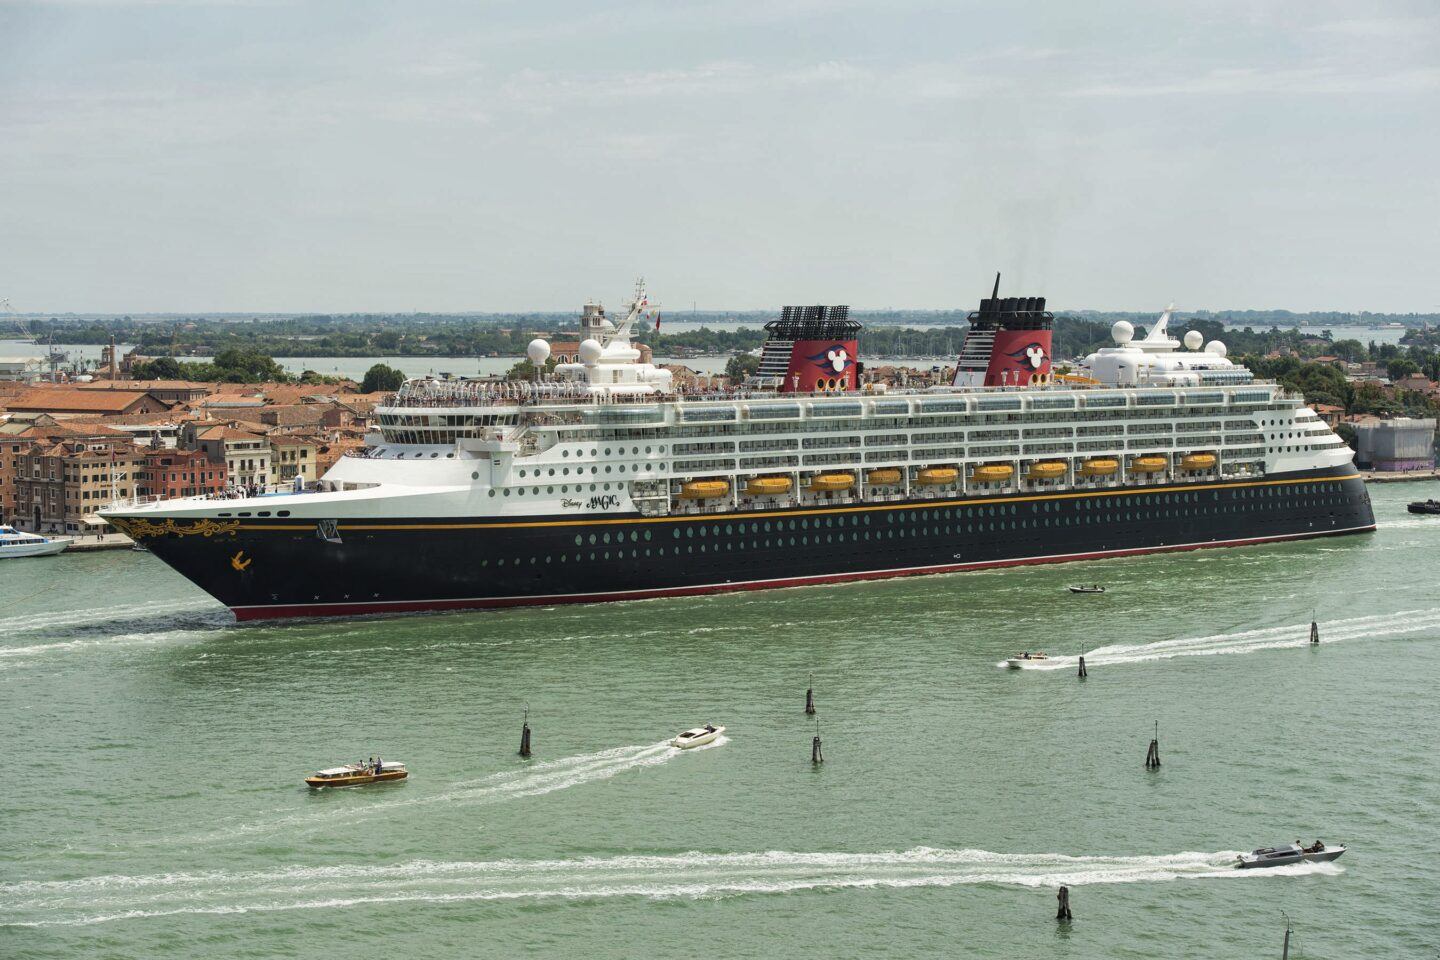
676,533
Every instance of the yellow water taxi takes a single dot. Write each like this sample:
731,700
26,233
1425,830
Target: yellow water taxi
358,774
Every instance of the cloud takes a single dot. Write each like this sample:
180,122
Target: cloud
1309,81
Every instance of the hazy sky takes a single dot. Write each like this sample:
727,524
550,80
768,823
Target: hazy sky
356,155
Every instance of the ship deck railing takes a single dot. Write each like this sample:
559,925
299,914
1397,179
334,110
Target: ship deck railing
525,393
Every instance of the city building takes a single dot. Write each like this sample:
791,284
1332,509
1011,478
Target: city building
73,401
1402,443
169,392
180,473
60,485
293,456
20,433
246,455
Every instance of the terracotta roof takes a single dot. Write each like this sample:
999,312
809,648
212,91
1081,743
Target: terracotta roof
228,433
291,440
72,400
145,385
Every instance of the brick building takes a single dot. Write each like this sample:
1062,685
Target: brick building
180,473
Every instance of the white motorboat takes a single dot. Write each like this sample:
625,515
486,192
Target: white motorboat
1021,659
14,543
1080,588
697,737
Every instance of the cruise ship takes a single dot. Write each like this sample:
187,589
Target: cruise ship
603,481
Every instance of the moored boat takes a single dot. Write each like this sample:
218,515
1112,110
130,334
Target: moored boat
1288,853
14,543
1425,506
358,774
697,737
1020,660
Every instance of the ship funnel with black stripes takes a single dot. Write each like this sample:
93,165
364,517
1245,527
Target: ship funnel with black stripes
1008,343
810,349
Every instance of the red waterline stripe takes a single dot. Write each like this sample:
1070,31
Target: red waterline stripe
283,611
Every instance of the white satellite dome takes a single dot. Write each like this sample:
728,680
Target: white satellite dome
1217,348
538,351
590,351
607,326
1123,331
1194,339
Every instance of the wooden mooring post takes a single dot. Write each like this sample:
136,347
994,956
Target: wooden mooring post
525,734
1083,672
1152,756
815,755
810,697
1063,912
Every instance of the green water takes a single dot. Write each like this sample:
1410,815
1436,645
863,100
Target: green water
152,805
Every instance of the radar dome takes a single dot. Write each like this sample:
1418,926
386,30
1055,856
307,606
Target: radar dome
1217,348
1194,339
538,351
1123,331
590,351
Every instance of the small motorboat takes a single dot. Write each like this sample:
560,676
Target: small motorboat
358,774
1425,506
1093,588
697,737
14,543
1287,854
1019,660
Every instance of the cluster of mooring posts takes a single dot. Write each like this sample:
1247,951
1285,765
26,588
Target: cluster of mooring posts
1152,756
816,756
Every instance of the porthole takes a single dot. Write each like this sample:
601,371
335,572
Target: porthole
476,476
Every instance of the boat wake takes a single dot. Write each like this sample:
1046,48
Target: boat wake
1377,627
93,900
532,780
36,637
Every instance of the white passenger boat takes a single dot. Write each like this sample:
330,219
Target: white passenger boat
1021,659
697,737
14,543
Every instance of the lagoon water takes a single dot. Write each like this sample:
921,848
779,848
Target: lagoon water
153,804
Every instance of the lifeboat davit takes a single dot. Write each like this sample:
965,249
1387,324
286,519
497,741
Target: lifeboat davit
993,473
1099,467
826,482
883,478
767,486
937,476
1048,470
704,489
1198,461
1147,465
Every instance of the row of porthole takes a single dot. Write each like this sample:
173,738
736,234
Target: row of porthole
807,540
634,451
565,471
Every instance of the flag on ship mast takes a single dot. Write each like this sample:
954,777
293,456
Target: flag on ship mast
657,321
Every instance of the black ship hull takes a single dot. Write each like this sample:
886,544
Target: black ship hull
267,568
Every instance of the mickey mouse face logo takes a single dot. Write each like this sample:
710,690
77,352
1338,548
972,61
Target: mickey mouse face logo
1032,354
836,358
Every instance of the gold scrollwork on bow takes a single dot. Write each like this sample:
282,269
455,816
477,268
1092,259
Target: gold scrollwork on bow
139,527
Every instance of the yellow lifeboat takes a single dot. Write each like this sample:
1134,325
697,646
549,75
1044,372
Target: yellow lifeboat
767,486
937,476
704,489
993,473
1147,465
1198,461
1099,467
1047,470
883,478
826,482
